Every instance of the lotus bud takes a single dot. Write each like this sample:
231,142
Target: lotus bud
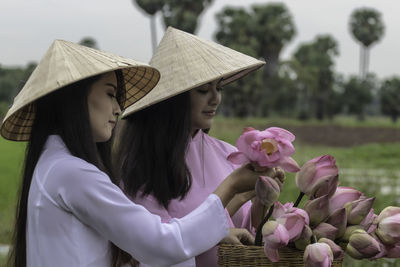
387,212
388,229
382,247
361,245
357,210
313,170
349,231
317,209
294,223
368,221
393,252
342,196
338,219
267,190
318,254
325,230
325,186
305,238
275,236
337,251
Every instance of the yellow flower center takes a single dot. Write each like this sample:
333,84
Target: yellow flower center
269,146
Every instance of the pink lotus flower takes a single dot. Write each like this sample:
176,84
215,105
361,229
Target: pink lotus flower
280,210
275,236
362,245
318,254
338,219
388,228
294,223
310,174
267,190
337,251
357,210
317,209
342,196
269,148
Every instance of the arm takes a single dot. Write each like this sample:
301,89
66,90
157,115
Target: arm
94,200
89,194
238,200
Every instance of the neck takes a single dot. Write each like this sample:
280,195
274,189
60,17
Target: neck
194,132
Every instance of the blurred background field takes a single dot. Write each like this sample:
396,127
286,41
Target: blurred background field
372,168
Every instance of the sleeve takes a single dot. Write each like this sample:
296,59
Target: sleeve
152,205
90,195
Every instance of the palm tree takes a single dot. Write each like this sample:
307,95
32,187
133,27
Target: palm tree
367,28
151,7
184,14
274,28
89,42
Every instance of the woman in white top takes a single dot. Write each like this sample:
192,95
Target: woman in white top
69,209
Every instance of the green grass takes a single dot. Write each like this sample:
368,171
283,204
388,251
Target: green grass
11,159
345,121
3,260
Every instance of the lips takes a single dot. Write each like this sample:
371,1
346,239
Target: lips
112,123
209,112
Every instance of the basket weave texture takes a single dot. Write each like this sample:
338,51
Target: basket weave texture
235,255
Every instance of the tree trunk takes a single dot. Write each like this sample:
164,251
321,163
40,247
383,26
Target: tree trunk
153,31
364,61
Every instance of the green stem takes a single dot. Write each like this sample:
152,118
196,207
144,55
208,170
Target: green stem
301,195
313,239
258,240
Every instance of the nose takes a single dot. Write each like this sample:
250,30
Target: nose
117,109
215,97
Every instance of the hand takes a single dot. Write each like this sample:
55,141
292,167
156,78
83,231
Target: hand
238,200
238,236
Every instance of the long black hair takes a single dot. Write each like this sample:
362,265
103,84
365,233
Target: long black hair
151,150
65,113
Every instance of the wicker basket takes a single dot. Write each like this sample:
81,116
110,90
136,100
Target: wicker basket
234,255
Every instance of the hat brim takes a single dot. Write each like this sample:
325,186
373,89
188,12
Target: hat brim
139,79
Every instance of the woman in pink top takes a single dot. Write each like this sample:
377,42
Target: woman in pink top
166,127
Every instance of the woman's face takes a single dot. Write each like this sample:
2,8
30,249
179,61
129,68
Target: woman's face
103,106
204,101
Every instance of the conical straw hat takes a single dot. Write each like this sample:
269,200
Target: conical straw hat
186,61
65,63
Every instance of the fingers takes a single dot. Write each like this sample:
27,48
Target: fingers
246,196
241,236
246,238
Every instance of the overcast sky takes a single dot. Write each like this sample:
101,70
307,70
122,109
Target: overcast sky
28,27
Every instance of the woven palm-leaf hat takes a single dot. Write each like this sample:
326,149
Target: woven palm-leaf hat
63,64
186,61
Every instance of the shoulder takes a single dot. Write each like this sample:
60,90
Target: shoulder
57,169
219,144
